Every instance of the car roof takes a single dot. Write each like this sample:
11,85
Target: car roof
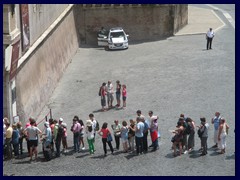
116,29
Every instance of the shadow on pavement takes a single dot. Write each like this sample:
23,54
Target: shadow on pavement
130,156
83,155
98,157
231,157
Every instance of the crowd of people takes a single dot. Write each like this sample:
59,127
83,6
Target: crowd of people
132,135
185,134
107,89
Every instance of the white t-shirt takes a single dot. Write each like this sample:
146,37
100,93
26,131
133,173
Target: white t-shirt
210,34
32,132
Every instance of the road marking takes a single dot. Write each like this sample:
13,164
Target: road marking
226,14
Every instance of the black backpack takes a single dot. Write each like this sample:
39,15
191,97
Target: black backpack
60,131
188,129
200,133
99,93
97,126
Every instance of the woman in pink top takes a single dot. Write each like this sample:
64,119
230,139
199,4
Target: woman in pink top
124,95
104,132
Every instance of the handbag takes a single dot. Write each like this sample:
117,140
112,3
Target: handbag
109,138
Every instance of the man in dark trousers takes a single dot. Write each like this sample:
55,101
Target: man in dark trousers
209,36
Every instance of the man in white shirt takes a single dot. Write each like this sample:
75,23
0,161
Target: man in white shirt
110,93
209,36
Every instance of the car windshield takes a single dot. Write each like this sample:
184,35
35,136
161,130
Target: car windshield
117,35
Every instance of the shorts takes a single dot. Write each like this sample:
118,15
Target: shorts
124,140
110,97
124,98
33,143
118,95
81,135
103,101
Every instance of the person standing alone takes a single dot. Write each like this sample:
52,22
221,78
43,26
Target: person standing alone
209,36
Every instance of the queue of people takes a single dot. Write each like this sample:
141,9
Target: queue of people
184,135
133,135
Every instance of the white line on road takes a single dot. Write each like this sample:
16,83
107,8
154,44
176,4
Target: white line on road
227,15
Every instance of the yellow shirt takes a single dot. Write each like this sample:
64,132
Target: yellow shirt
9,132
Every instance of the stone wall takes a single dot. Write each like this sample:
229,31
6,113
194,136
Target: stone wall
39,75
141,22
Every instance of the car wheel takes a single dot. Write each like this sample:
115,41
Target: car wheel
106,48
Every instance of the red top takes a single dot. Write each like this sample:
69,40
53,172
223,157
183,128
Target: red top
124,92
105,132
103,91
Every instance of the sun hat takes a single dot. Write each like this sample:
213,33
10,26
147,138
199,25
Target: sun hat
89,123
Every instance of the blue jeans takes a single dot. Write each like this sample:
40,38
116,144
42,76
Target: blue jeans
76,142
139,144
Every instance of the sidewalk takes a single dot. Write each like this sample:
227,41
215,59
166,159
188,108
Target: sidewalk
200,20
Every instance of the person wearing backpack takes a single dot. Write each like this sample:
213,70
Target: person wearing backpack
203,133
191,132
95,125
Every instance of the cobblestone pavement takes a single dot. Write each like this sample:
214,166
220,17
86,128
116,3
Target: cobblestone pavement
172,76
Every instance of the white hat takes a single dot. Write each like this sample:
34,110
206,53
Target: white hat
89,123
64,125
61,119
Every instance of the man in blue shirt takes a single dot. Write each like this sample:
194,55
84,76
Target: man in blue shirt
215,122
145,135
139,135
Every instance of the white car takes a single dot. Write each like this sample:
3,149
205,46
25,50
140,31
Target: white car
116,39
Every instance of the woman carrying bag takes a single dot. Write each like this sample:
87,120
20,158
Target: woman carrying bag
106,138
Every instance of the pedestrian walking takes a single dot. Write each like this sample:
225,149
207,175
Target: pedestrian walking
139,135
124,95
118,93
81,135
203,134
216,121
90,136
110,92
104,132
33,132
76,127
116,127
209,36
124,136
222,134
131,134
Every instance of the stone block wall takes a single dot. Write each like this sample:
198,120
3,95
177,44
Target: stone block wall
141,22
39,75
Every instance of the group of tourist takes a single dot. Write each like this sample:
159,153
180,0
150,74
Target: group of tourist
133,135
185,132
107,89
